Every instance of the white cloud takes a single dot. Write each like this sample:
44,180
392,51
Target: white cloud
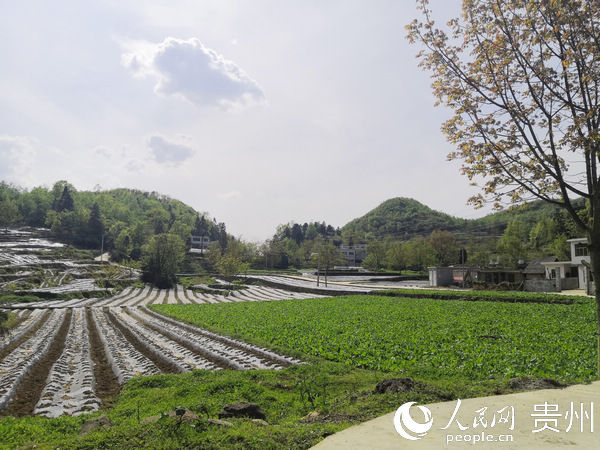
103,151
231,195
17,155
166,152
134,165
188,69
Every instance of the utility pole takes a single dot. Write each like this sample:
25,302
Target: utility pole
102,249
326,260
319,267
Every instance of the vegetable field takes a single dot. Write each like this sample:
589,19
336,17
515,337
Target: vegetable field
441,339
65,357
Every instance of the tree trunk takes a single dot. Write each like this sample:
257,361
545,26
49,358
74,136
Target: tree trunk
595,263
594,252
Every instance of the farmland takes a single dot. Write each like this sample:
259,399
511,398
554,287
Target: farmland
77,347
450,349
443,339
67,338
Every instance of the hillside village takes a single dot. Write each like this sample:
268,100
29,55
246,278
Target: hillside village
534,247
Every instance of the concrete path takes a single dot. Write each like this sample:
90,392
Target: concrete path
544,419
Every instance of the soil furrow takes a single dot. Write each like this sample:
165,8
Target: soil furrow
222,363
106,384
8,349
29,391
145,297
177,299
223,340
163,364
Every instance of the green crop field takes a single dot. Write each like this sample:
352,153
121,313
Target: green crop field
432,338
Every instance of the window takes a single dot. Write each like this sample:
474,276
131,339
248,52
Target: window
581,250
552,274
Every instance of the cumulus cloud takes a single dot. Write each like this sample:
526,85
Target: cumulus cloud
166,152
17,155
188,69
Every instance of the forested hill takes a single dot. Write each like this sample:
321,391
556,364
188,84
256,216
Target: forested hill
126,218
404,218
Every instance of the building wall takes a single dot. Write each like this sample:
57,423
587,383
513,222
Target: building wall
541,286
569,283
440,276
574,258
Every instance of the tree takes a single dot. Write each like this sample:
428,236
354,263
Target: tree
396,256
9,213
325,257
230,265
65,202
419,253
311,232
560,248
522,78
543,233
375,258
200,226
34,206
158,220
95,227
297,234
161,259
444,247
513,243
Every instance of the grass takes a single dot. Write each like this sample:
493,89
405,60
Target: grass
342,396
12,321
291,271
188,282
491,296
12,298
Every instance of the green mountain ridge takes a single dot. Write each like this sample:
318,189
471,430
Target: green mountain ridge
405,218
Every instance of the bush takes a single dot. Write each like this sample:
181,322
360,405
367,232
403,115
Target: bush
162,257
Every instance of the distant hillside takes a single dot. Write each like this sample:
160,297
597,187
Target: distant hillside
529,213
119,220
405,218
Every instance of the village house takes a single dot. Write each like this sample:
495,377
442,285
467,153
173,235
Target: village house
572,274
545,274
353,254
200,242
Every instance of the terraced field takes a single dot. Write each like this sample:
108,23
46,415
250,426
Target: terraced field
148,295
304,283
67,357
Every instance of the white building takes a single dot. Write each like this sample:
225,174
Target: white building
200,242
353,254
571,274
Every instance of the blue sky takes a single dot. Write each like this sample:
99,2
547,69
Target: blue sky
257,112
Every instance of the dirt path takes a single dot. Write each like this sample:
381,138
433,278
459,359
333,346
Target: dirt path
106,384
